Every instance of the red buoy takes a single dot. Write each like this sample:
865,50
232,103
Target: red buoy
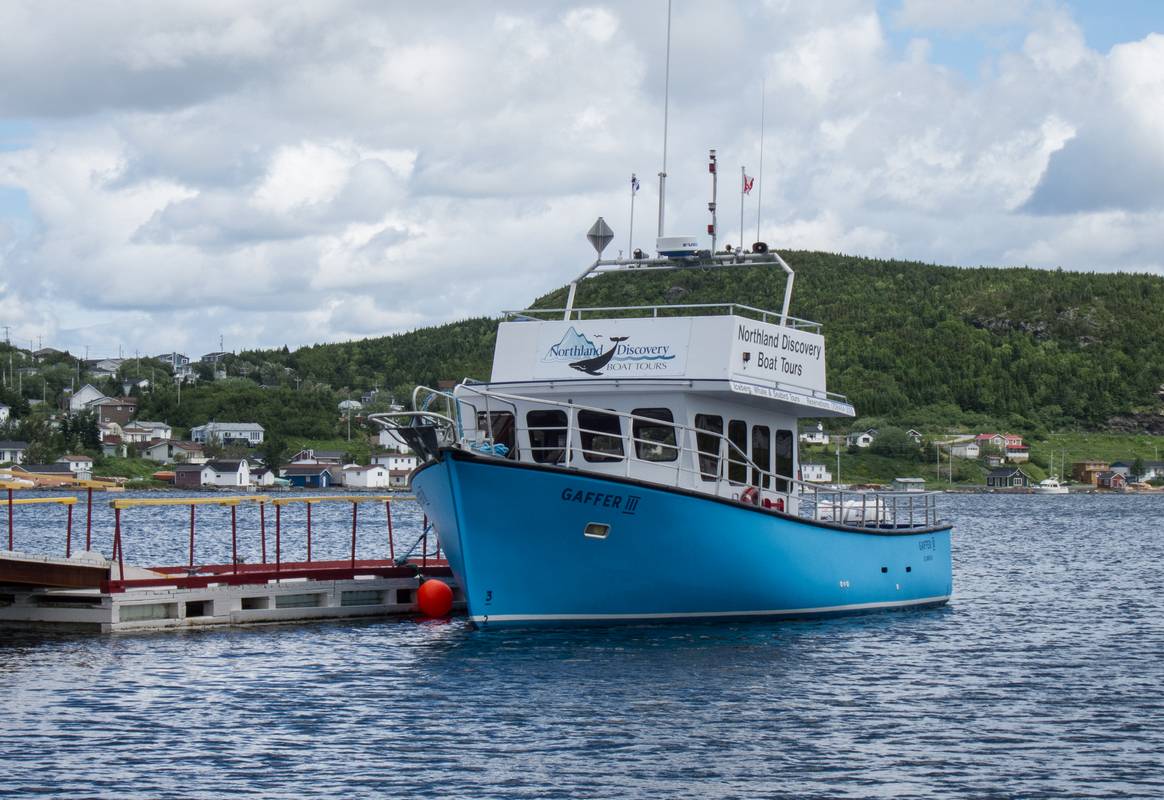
434,598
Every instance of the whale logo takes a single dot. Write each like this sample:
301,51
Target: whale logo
592,366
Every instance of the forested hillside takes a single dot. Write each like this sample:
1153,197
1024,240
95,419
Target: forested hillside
908,341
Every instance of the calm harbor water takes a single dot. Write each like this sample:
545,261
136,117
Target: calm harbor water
1043,678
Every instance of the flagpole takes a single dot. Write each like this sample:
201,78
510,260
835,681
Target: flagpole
631,236
666,105
743,179
760,174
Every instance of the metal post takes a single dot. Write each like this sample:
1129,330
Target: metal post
69,533
89,521
117,545
9,519
309,533
391,545
424,543
354,507
234,537
191,536
263,529
278,516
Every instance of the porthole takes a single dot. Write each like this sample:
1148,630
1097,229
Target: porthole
596,530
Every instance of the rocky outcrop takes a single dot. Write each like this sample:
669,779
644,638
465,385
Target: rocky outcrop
1144,422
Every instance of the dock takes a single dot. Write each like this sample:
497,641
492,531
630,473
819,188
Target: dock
84,589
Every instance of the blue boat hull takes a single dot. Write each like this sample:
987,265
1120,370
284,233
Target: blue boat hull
515,539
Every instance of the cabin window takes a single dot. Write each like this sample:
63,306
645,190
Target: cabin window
738,454
601,436
708,444
782,446
499,425
655,441
547,436
761,455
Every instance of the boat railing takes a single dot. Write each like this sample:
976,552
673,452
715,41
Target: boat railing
664,310
688,458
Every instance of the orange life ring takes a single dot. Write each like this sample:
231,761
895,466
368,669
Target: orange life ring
750,496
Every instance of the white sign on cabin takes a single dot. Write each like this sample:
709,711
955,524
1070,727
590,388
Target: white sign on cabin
737,349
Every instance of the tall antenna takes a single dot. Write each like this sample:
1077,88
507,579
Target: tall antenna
666,102
760,174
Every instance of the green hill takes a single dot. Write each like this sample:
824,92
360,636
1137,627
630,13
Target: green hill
915,343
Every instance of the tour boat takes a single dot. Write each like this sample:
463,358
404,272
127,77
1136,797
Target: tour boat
637,464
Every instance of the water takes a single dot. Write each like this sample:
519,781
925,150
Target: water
1043,678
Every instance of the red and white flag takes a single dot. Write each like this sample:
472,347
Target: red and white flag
748,181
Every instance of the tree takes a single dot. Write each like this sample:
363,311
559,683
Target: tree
1138,468
895,443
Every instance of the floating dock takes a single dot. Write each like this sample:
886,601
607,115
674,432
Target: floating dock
86,590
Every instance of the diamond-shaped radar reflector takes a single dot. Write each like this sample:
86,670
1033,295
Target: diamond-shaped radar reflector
600,235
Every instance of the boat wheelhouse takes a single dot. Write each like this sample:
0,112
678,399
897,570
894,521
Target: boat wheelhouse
641,464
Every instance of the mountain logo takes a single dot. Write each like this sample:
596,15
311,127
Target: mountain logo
573,346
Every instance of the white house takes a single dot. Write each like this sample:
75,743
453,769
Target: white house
311,456
12,452
156,430
398,478
915,435
83,397
133,433
814,435
78,464
250,433
373,476
229,473
263,476
815,473
861,438
400,460
4,413
106,367
169,451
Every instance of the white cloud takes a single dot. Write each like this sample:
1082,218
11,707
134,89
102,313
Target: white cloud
292,174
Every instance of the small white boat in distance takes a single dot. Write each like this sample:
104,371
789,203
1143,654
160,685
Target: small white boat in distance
1050,485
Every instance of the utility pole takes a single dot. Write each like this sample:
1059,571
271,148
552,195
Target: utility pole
838,461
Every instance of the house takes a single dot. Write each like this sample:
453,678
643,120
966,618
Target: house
373,476
248,433
814,435
83,397
193,476
861,438
309,476
12,452
5,412
398,478
967,449
78,464
178,362
262,476
214,358
815,473
168,451
1152,470
1007,478
915,435
400,459
311,456
111,445
114,409
1110,479
909,485
104,367
234,474
156,430
47,352
1087,471
132,433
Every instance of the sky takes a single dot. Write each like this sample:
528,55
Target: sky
280,173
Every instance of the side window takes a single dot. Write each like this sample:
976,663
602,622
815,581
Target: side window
601,436
655,441
547,436
708,444
499,425
761,454
737,455
782,447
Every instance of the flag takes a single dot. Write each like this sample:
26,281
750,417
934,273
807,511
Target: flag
634,183
748,181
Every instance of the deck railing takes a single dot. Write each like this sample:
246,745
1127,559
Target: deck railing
698,465
666,310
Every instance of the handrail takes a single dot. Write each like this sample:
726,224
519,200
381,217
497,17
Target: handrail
832,505
577,311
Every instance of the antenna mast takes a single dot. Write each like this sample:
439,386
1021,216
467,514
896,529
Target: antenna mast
666,102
